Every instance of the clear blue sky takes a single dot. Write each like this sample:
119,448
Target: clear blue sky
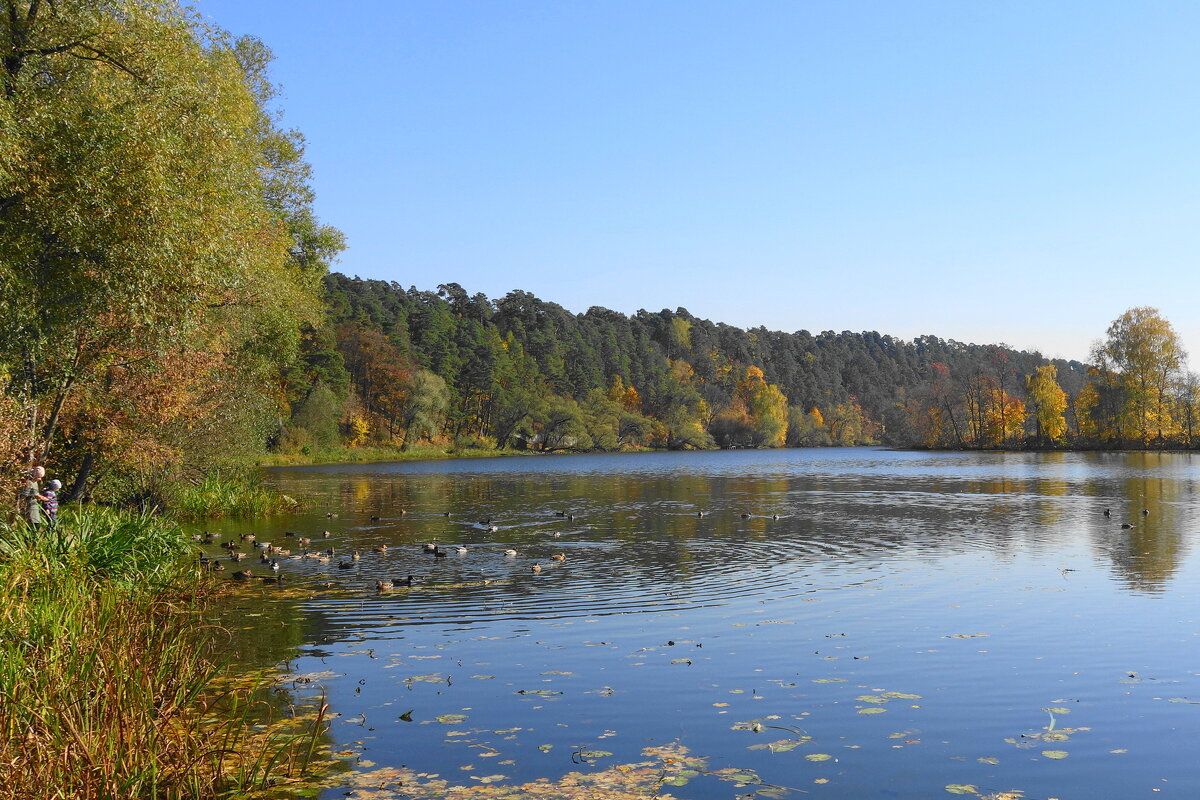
1019,172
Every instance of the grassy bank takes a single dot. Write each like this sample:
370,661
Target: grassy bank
110,686
377,454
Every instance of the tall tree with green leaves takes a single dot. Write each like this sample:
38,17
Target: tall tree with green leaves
152,217
1143,356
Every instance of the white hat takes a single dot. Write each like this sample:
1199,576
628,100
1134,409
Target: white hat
54,485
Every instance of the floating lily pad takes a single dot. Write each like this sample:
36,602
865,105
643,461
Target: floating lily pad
782,745
682,778
451,719
591,754
435,678
873,710
1055,753
818,757
962,788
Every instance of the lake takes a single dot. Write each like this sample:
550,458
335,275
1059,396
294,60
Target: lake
846,623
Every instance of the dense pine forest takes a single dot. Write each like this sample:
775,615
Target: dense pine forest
402,366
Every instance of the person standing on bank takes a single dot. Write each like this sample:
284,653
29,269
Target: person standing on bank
31,496
50,501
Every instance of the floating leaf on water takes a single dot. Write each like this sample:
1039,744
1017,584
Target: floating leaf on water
829,680
451,719
484,677
434,678
874,710
1055,753
557,672
988,760
687,661
962,788
591,754
900,696
1055,736
489,778
720,705
785,745
542,692
738,777
1118,751
780,746
818,757
1058,710
545,748
871,698
507,731
406,716
966,636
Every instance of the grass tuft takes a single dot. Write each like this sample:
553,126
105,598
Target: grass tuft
227,495
109,687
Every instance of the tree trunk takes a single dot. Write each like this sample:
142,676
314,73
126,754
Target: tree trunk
81,478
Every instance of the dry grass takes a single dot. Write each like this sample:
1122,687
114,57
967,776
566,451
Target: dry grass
108,682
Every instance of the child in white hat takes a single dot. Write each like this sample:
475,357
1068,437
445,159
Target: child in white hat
50,500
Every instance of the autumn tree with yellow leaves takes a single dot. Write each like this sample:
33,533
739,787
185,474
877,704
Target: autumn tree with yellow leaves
1138,370
1048,404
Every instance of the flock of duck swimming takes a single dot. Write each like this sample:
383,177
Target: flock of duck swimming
269,554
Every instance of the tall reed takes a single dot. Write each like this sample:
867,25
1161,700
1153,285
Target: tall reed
227,495
108,684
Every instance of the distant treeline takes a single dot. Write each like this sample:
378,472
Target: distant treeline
399,366
167,310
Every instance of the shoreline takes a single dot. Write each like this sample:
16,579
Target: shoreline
381,455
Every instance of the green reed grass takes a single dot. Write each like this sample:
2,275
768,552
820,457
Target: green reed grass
109,686
227,495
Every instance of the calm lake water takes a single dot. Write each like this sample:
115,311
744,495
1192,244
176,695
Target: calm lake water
909,622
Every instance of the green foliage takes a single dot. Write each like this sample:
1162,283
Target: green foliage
100,544
239,494
103,641
318,416
513,368
157,248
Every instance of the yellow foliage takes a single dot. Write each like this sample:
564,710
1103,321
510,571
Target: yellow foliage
360,429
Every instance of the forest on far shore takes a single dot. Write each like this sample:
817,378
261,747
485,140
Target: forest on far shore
167,310
398,367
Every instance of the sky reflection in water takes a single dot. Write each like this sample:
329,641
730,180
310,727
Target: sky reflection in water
914,614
